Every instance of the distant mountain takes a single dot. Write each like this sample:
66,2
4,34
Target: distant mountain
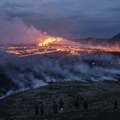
115,40
93,41
116,37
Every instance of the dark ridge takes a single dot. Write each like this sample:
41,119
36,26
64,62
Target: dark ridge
116,37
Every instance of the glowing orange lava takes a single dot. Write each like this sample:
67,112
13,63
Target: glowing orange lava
51,44
49,40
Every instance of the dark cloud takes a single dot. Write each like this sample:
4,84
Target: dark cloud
9,5
113,9
76,18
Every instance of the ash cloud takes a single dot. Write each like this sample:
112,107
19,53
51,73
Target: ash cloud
76,18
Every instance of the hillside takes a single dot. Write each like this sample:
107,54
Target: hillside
100,97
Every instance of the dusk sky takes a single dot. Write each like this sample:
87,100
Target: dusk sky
68,18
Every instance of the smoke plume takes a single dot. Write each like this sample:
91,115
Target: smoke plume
15,31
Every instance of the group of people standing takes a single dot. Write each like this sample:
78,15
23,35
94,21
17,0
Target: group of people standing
59,106
40,107
56,107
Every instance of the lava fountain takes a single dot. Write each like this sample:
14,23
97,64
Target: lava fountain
47,40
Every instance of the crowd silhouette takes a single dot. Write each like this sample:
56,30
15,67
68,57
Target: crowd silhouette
58,107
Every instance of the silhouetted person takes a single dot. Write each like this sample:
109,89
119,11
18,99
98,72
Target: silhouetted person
76,103
42,107
85,105
55,107
61,105
36,107
116,104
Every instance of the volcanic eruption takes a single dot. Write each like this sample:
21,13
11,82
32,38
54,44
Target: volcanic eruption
31,58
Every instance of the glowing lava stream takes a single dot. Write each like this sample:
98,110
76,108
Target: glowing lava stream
49,40
49,44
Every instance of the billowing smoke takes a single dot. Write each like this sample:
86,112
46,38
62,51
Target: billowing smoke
19,73
15,31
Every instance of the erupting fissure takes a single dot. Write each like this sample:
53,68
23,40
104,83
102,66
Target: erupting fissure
51,44
49,40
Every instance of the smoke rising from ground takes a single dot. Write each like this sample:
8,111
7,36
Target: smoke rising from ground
34,71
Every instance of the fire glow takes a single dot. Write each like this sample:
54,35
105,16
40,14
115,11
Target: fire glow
48,40
51,44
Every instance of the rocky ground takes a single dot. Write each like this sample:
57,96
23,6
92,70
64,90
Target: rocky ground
100,96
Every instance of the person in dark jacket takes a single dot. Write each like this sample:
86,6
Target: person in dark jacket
85,105
76,103
116,104
42,107
36,107
55,107
61,105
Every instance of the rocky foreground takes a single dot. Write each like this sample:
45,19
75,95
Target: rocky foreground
100,96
